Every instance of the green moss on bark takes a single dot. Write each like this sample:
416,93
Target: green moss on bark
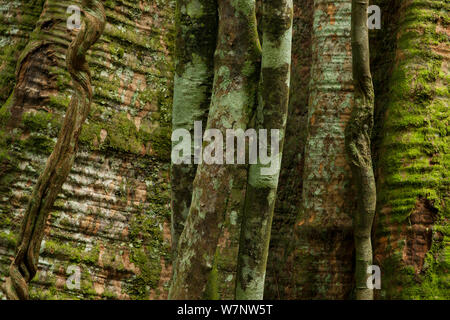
413,158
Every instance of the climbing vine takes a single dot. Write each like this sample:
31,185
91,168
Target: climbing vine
357,140
24,266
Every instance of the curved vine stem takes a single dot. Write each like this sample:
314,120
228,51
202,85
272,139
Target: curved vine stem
357,140
49,184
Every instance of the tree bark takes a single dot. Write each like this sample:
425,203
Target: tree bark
17,32
411,243
323,242
235,82
357,139
196,33
280,273
271,114
24,266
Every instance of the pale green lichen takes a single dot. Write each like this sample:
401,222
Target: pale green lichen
190,94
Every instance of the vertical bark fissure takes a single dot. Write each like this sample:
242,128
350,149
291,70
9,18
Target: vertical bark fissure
196,27
24,265
271,114
236,75
357,138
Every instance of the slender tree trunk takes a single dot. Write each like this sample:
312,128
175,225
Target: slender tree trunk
357,139
280,274
196,28
235,82
24,266
271,114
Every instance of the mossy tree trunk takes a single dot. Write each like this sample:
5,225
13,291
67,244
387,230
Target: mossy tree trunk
196,33
236,74
19,19
412,222
271,115
113,207
357,139
24,265
34,62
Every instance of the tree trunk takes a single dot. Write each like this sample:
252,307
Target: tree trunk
271,115
357,139
411,241
280,274
235,82
113,213
323,231
196,28
58,166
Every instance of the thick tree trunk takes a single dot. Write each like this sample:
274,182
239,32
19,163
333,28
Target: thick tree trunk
235,82
58,166
196,28
271,115
412,88
113,213
357,138
323,231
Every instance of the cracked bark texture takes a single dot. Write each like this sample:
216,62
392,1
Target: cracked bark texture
218,189
271,114
357,140
24,266
196,28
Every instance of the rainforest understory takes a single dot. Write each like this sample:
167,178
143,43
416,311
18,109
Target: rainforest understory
93,206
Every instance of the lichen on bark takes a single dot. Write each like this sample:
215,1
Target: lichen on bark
24,266
236,75
271,114
323,236
124,142
281,267
18,18
196,28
